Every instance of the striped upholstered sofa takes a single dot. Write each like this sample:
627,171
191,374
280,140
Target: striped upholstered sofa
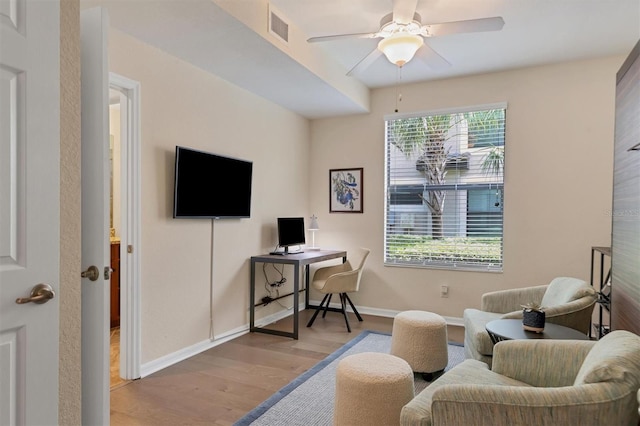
538,382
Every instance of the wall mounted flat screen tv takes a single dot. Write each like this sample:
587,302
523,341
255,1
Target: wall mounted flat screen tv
211,186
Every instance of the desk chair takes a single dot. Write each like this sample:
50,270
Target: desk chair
339,279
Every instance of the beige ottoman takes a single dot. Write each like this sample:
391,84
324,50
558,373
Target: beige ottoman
371,389
420,338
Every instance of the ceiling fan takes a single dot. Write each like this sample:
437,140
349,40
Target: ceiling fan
403,33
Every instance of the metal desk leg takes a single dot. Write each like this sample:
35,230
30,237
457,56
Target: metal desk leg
296,297
600,327
306,286
252,297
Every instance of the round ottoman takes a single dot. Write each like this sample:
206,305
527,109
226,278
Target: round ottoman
371,389
420,338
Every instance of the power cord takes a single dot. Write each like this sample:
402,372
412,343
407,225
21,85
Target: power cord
276,283
271,287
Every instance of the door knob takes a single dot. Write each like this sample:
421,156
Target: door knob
41,293
92,272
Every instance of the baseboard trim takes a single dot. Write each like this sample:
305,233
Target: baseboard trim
173,358
388,313
177,356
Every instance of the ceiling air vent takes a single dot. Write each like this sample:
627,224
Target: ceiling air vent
278,26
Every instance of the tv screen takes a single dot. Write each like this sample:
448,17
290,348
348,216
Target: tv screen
291,232
211,186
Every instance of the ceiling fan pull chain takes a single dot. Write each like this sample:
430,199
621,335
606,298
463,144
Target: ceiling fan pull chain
398,80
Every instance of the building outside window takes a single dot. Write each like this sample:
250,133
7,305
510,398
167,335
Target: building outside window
445,188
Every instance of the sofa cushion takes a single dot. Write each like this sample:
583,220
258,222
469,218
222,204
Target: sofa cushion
614,358
475,322
563,290
418,410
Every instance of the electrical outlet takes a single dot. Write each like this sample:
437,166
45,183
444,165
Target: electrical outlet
444,291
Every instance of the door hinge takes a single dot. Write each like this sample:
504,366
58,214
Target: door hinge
107,272
129,248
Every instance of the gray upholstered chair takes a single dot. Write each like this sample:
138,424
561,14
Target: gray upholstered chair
340,279
538,381
567,301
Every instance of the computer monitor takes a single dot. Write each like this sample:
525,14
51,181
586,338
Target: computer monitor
291,232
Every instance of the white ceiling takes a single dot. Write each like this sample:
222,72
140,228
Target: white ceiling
229,38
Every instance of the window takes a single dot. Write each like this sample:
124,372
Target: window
444,189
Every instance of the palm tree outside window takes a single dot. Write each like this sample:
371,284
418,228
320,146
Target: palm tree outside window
445,188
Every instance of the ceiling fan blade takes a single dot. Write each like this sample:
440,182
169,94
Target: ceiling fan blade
403,10
365,62
470,26
341,36
432,58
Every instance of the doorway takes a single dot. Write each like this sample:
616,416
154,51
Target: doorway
125,233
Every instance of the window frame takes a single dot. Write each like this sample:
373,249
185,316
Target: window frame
451,264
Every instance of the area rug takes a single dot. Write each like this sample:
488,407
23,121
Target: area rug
308,400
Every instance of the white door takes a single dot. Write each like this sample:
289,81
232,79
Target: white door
95,216
130,233
29,209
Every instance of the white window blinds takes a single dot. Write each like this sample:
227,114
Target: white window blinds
444,189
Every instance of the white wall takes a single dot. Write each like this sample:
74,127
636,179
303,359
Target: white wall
181,269
558,180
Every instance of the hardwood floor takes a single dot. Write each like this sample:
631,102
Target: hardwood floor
220,385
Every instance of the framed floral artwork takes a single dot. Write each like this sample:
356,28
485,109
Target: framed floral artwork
345,193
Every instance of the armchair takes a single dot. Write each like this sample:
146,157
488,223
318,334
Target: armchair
567,301
544,382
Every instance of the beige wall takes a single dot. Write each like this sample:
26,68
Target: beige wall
183,105
69,353
558,187
558,180
555,205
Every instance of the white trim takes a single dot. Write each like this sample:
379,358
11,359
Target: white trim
270,319
454,110
388,313
131,235
175,357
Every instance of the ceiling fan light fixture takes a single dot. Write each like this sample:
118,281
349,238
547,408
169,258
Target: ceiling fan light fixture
399,48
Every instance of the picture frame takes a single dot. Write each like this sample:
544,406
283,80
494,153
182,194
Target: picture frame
346,190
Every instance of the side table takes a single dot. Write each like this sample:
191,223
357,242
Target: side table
511,329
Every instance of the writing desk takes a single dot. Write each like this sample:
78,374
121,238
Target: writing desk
298,260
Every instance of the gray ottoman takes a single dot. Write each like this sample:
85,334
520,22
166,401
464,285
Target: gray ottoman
420,338
371,389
